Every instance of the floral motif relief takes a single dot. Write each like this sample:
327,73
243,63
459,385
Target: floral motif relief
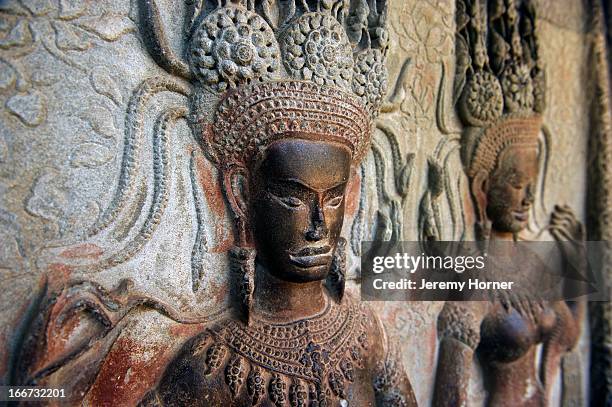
424,32
42,44
370,78
255,384
317,48
277,390
518,88
231,46
347,369
483,98
214,356
51,194
28,107
234,374
297,394
62,33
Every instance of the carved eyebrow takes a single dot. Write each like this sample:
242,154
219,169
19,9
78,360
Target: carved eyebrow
337,189
296,183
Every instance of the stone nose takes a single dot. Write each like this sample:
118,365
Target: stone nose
529,196
317,229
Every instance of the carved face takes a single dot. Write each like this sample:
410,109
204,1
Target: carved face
511,189
297,207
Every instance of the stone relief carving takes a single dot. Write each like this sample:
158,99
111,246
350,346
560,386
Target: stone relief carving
262,128
406,115
415,149
43,194
282,146
66,34
500,88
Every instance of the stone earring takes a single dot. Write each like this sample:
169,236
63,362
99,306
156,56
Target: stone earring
483,230
337,273
242,262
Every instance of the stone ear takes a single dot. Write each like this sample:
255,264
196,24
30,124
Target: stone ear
479,187
236,188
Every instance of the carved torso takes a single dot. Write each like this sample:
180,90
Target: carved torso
510,330
509,336
506,336
336,358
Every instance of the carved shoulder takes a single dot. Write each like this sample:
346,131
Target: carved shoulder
374,335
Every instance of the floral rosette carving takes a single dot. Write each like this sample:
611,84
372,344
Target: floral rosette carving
277,390
255,384
380,38
518,88
482,99
370,78
316,48
233,46
539,90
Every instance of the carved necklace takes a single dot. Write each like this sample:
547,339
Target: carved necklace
317,355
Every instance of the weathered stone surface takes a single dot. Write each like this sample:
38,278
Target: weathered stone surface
88,193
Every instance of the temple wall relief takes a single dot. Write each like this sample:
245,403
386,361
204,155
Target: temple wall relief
115,225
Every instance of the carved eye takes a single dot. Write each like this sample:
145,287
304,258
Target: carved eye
334,202
291,202
515,183
518,186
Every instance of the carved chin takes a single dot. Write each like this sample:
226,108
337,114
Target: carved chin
510,223
307,274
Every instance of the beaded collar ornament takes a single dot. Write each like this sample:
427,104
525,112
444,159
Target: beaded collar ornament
315,68
499,81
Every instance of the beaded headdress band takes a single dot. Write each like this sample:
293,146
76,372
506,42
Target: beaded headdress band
314,68
255,116
499,81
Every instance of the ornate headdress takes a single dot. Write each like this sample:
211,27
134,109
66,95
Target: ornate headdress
311,67
499,82
265,70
